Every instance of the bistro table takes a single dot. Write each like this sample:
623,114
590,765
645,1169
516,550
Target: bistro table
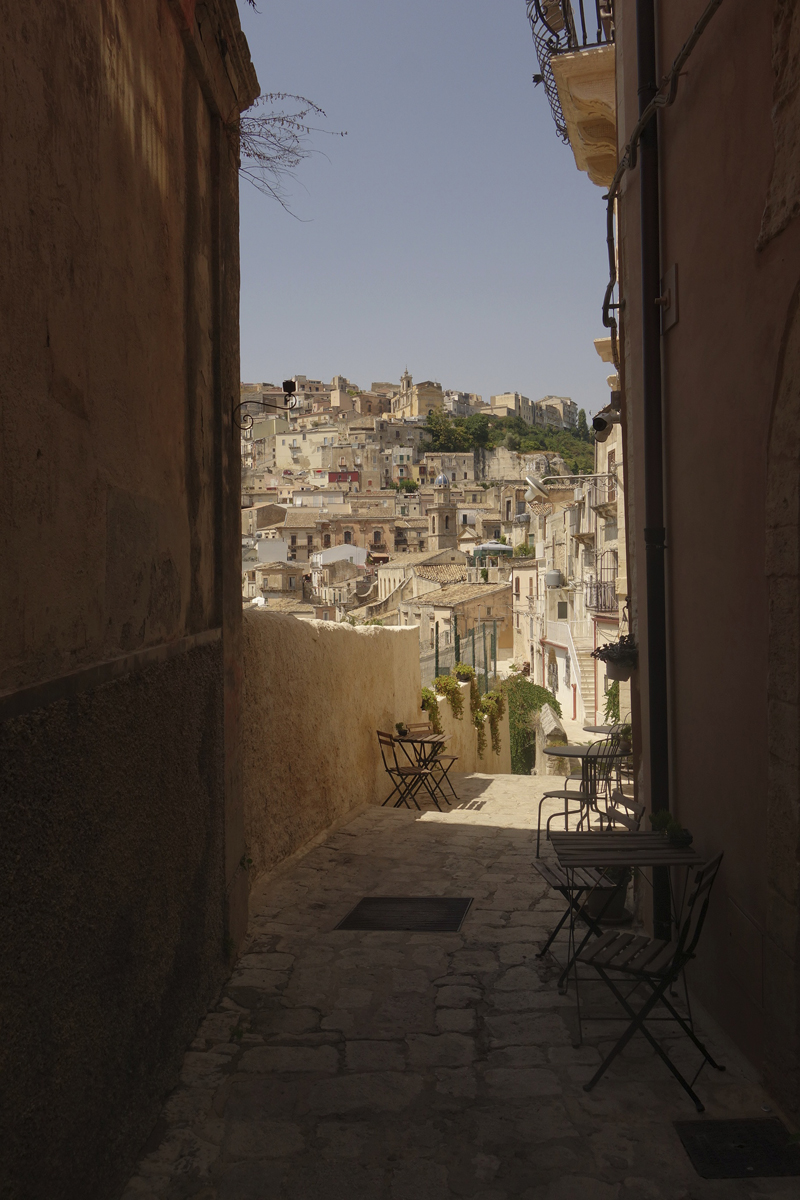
613,848
580,751
606,729
425,748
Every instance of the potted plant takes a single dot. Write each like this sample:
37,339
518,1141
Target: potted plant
610,910
621,657
625,739
402,728
673,831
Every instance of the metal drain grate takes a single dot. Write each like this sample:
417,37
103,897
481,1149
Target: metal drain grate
740,1149
420,914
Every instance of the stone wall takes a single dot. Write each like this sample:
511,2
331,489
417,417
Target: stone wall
315,692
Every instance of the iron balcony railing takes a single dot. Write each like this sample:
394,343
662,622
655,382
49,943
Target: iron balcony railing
600,596
561,27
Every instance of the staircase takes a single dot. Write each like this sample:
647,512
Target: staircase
587,665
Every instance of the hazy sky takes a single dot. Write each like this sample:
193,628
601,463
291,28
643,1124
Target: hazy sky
450,231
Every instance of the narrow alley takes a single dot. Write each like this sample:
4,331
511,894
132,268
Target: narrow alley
410,1066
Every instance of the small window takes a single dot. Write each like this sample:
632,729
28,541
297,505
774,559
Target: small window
530,585
463,518
517,587
292,582
447,522
376,537
294,539
488,612
348,537
562,610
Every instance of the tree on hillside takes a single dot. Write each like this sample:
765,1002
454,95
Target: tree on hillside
583,427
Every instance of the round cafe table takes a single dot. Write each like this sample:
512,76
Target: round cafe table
569,751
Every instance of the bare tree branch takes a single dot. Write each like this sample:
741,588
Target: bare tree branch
273,143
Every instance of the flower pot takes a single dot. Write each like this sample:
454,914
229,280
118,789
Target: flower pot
619,670
682,840
613,909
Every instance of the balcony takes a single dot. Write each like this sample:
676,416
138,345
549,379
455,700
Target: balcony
600,595
577,61
602,498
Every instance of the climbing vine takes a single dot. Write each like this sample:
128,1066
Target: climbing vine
611,710
525,699
448,686
430,705
493,705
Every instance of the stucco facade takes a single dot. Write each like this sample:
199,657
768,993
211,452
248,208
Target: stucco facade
730,483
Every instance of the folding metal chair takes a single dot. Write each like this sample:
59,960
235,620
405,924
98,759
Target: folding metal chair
657,965
594,783
443,762
407,780
576,885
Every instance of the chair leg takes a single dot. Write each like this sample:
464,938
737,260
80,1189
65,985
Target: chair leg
637,1023
560,925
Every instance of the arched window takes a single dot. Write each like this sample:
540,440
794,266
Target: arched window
326,540
348,537
377,537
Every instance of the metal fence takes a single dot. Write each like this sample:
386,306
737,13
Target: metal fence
476,646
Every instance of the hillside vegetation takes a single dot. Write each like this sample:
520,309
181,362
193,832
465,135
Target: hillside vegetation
482,432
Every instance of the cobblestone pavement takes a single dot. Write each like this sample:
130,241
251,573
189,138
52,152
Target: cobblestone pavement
399,1066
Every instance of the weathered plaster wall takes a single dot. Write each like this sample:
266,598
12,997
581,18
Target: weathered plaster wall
718,172
314,695
120,587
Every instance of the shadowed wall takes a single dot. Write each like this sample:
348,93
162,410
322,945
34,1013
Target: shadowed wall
120,786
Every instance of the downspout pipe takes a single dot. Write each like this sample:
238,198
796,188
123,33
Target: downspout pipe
654,531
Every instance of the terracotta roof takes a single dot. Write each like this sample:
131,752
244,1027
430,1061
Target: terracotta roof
417,558
460,593
306,517
443,572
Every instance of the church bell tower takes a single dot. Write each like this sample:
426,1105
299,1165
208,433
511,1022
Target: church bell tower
442,518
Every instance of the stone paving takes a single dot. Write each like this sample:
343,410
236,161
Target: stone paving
400,1066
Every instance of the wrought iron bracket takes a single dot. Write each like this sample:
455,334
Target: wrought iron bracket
243,418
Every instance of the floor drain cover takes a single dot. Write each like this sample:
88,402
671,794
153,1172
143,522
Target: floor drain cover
422,914
739,1149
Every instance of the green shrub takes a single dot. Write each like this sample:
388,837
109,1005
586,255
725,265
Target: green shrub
524,700
448,686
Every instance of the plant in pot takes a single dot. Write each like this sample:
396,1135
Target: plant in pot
610,910
673,831
402,728
621,658
625,739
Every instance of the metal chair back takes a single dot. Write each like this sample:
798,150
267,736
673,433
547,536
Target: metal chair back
696,909
624,812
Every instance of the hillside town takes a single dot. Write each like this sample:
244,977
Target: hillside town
349,516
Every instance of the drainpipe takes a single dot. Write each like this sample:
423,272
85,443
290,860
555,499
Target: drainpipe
654,532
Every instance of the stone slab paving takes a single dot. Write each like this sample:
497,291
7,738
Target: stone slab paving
400,1066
